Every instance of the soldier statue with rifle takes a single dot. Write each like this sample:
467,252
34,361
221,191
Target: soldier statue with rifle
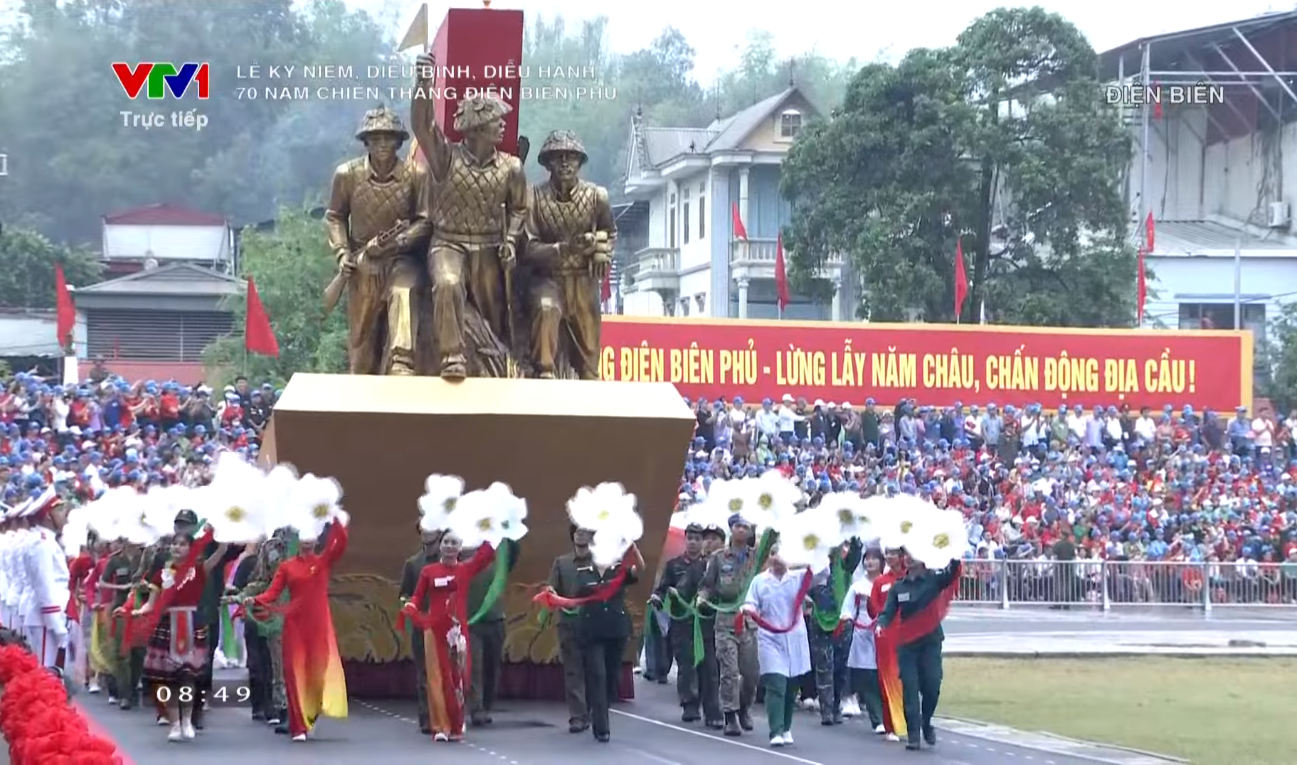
378,225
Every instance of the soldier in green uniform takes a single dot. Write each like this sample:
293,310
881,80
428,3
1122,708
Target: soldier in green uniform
829,647
564,580
269,631
919,657
729,571
486,637
123,562
429,552
679,583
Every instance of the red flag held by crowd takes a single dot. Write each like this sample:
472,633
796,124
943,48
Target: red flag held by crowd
66,313
961,279
258,337
740,231
782,296
1141,289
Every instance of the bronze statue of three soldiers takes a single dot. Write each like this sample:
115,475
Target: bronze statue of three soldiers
440,263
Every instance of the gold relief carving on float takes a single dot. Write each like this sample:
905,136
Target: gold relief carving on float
525,639
365,607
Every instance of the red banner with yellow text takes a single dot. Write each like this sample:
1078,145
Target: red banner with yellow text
934,363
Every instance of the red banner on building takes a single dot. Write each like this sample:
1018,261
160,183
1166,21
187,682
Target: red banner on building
934,363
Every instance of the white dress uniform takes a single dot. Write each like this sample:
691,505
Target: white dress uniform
46,625
787,654
6,541
22,580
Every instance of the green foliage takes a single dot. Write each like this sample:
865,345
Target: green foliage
27,261
1000,142
1281,358
291,265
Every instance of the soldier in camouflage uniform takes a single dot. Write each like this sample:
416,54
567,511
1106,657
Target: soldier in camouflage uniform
269,556
695,685
829,648
570,236
729,571
369,196
477,212
117,576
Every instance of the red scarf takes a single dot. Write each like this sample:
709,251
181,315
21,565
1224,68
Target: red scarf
145,624
904,631
603,593
767,626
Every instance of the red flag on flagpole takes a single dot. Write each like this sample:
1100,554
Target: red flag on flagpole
1148,232
65,315
1157,104
258,337
961,279
782,296
740,231
1141,289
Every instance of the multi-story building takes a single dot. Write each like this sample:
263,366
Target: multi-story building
684,186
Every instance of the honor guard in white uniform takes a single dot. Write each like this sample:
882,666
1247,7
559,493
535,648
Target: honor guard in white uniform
16,594
6,538
46,626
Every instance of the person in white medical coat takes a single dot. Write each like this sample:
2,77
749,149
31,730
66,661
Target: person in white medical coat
862,661
46,622
783,655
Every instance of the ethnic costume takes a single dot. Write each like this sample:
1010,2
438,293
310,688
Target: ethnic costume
176,652
889,674
313,677
444,587
862,659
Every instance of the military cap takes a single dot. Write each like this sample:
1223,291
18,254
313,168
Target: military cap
558,142
382,120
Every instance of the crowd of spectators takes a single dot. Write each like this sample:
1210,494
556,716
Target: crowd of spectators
1118,493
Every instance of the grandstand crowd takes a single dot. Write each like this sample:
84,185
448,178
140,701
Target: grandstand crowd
1115,484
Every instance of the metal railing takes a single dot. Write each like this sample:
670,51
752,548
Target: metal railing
1119,584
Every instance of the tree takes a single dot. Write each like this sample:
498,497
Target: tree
27,261
291,265
1281,359
1000,143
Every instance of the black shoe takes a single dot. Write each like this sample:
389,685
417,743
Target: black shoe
477,720
661,681
745,720
486,718
602,737
258,716
425,730
282,729
690,715
826,720
838,719
577,726
732,724
715,724
930,735
913,746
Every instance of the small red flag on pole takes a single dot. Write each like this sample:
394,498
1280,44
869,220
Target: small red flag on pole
782,295
961,279
605,287
1141,289
65,314
740,231
1149,229
258,337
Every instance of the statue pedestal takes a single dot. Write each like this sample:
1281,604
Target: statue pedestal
380,437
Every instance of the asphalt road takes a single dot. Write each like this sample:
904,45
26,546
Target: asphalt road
645,732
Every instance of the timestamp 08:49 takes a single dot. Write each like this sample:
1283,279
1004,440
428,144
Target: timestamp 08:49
222,693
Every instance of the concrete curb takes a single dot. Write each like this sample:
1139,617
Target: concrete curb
1109,754
973,653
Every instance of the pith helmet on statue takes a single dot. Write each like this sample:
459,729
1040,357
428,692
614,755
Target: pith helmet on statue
382,121
479,111
561,142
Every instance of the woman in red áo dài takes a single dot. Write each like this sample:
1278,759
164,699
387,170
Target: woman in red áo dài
889,672
443,587
313,678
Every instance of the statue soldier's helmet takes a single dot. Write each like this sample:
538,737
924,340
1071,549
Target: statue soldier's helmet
382,120
558,142
478,111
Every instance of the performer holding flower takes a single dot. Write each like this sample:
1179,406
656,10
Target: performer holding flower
440,610
176,654
774,601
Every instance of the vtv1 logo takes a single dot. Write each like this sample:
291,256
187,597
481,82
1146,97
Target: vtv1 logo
163,78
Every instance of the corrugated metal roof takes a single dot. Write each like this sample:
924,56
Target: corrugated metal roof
1171,46
663,144
1195,237
29,333
163,215
174,279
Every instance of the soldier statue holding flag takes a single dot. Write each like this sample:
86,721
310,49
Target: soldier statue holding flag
478,209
